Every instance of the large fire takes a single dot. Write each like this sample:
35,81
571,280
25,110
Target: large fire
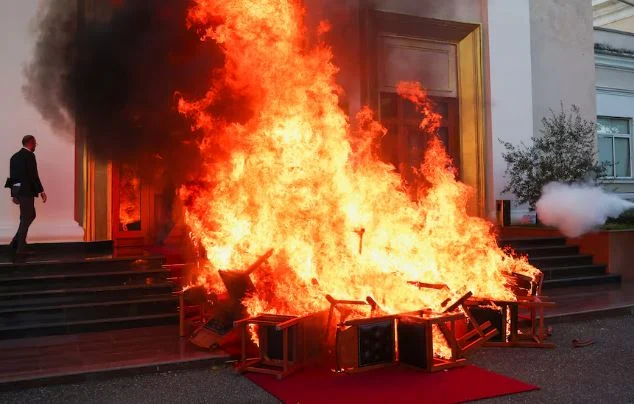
299,178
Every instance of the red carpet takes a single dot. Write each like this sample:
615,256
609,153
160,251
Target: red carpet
394,384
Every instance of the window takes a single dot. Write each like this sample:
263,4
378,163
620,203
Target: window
615,145
405,144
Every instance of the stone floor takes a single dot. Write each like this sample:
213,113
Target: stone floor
599,373
591,300
68,357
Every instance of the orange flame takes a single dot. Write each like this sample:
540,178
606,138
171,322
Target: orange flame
129,196
296,177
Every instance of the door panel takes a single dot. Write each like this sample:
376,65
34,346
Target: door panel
405,144
131,207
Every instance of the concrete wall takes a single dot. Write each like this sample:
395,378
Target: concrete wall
562,47
344,37
55,154
470,11
511,86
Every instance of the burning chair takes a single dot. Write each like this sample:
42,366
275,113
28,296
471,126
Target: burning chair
521,322
362,343
416,342
506,319
194,305
216,326
286,343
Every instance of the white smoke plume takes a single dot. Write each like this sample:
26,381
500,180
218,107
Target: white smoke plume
578,208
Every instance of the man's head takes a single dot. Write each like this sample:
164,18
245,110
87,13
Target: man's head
29,142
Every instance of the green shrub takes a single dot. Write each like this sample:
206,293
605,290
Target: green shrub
564,152
626,218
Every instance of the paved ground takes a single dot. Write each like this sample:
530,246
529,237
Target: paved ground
601,373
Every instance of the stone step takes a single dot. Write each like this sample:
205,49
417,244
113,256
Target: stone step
98,247
77,287
81,280
10,317
573,271
82,295
533,242
548,251
76,265
73,327
561,261
582,281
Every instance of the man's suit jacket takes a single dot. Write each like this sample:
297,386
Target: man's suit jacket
23,169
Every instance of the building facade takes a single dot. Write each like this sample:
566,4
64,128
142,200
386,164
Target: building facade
494,67
614,60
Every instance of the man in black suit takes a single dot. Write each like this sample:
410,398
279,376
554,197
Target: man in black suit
25,185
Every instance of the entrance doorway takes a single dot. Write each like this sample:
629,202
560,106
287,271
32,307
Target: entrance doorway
446,58
405,144
132,207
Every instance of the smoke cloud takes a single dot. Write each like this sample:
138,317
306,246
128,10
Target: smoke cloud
577,209
116,70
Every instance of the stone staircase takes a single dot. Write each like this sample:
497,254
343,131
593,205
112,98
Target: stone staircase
562,264
77,287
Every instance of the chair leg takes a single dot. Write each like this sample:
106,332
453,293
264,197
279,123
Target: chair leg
181,315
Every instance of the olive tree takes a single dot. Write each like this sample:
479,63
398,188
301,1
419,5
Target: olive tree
563,152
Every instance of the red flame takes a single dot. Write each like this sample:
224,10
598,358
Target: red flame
296,177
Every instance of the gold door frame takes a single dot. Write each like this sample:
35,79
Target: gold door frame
93,192
468,40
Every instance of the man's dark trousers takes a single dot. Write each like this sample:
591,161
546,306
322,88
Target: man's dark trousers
27,215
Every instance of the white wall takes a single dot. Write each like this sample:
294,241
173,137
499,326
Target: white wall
510,82
454,10
55,155
562,48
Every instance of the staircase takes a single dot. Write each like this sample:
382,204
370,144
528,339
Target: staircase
78,287
562,264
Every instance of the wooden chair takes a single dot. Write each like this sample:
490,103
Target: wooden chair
286,343
194,309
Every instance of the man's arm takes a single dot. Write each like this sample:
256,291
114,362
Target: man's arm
39,189
17,174
17,168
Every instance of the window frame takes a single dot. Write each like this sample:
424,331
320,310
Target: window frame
613,136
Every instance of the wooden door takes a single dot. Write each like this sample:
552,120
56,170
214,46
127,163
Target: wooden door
132,207
404,145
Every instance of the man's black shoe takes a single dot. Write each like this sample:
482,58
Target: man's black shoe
14,245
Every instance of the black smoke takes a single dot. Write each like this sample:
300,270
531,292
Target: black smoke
115,70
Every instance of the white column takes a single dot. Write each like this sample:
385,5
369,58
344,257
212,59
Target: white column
55,152
511,96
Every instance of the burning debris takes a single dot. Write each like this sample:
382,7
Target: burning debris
298,178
